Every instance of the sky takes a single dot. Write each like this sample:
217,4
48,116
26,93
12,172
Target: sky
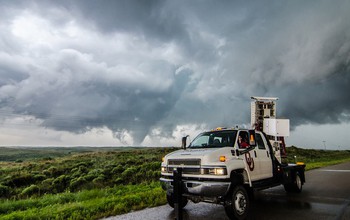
133,72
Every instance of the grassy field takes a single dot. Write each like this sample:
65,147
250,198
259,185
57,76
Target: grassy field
91,183
79,183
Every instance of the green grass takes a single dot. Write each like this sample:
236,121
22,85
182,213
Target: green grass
317,158
88,204
315,165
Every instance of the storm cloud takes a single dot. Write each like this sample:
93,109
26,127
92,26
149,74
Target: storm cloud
142,68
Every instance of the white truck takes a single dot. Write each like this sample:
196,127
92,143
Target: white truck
225,165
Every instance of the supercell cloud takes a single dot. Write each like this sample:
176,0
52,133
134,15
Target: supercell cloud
143,68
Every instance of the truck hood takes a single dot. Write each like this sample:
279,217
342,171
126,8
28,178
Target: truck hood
206,155
191,153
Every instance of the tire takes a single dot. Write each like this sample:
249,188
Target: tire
238,203
296,186
170,198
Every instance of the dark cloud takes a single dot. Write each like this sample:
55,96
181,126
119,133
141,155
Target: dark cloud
133,66
319,102
77,97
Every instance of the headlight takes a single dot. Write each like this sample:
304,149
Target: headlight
216,171
163,169
220,171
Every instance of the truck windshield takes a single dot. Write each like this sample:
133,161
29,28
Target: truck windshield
214,139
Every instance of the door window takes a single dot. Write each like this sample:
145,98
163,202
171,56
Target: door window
243,139
260,142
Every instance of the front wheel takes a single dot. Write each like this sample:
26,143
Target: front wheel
171,200
237,206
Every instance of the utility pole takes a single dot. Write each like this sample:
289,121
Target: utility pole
324,144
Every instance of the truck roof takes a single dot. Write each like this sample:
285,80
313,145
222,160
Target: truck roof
228,129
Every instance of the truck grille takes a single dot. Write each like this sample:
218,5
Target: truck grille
189,166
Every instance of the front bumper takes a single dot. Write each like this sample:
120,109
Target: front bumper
199,188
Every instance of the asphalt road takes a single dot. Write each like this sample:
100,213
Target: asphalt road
325,195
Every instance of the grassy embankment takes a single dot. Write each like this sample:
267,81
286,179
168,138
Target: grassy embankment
92,185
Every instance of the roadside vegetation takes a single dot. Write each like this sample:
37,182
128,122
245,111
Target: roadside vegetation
94,183
81,186
317,158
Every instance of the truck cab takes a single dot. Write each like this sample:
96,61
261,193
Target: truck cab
213,155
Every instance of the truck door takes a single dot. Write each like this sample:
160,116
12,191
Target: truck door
251,161
263,157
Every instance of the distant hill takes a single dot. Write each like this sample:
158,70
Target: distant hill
19,154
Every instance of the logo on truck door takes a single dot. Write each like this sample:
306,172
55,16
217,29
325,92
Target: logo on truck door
250,161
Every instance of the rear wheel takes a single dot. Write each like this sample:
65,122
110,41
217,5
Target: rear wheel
171,200
295,186
238,204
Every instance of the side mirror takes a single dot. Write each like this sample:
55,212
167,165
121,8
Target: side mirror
252,140
184,144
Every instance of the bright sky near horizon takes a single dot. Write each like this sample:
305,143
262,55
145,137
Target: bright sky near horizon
112,73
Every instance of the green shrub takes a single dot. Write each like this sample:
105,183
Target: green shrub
83,164
95,172
22,180
76,184
100,179
39,177
83,169
52,171
90,177
118,169
46,173
129,171
47,186
30,191
118,181
4,191
47,181
60,184
129,175
74,170
153,165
